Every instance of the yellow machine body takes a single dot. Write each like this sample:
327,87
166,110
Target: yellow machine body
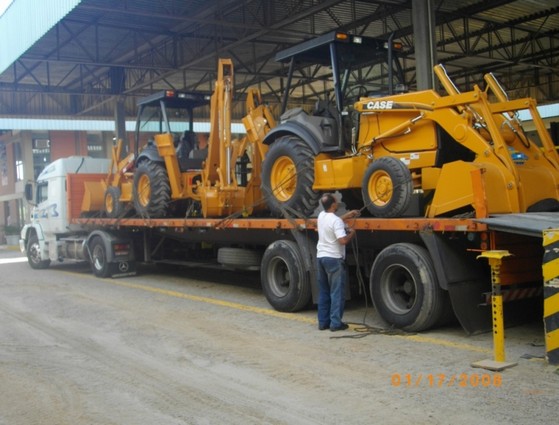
216,185
220,192
444,140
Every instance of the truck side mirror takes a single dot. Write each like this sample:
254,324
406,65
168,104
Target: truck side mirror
29,192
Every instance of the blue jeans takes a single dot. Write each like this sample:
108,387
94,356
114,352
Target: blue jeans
332,278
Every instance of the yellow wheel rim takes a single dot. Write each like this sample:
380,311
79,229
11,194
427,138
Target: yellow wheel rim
283,178
109,203
144,190
380,188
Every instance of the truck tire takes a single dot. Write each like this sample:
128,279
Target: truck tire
284,280
239,258
404,288
34,254
98,258
114,208
152,193
387,187
288,177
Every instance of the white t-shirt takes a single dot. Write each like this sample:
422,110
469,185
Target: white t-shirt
330,229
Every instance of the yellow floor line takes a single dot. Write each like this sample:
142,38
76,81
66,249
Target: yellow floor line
288,316
215,301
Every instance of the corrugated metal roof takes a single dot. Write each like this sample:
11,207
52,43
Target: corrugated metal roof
89,125
4,4
105,48
20,29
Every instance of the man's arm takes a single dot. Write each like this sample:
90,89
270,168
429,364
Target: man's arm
347,238
351,214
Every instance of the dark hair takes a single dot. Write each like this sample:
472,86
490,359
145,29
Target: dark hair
327,201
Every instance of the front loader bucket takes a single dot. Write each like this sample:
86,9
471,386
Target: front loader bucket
93,197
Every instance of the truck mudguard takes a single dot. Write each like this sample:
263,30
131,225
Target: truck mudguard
463,276
107,239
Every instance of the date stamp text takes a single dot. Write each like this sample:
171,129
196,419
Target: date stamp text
442,380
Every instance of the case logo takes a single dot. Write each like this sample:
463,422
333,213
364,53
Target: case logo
379,104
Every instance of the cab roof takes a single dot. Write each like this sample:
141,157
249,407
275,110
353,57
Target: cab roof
353,48
176,99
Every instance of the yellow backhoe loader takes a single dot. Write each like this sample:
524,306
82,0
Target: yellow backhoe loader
167,178
407,154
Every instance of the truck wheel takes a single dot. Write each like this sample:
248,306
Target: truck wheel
98,258
404,288
288,177
387,187
34,254
114,208
152,193
284,281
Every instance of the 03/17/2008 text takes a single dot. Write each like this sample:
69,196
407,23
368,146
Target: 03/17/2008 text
441,380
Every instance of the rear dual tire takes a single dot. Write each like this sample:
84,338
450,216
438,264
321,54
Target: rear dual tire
285,282
405,289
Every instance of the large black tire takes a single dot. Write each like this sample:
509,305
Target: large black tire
284,280
288,177
404,288
98,258
114,208
34,254
152,193
387,187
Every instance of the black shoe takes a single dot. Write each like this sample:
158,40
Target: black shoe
342,327
323,327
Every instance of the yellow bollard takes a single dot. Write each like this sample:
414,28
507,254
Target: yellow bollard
498,363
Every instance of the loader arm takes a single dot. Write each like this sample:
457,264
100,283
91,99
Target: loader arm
218,167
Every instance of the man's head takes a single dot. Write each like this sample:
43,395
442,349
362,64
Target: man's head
329,202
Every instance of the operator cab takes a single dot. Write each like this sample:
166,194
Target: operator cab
335,58
171,112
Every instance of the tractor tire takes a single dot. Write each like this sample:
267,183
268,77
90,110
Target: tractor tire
114,208
285,283
288,177
405,290
387,187
152,192
34,254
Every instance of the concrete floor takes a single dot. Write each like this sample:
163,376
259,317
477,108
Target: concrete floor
203,347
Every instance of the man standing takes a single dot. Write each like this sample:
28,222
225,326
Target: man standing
332,274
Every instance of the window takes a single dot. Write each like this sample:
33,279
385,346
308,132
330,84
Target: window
42,192
95,145
41,154
3,164
18,162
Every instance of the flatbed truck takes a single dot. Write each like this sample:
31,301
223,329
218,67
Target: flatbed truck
419,272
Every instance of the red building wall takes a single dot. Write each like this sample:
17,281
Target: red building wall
63,144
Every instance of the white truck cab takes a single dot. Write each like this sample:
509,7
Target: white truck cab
51,236
50,209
